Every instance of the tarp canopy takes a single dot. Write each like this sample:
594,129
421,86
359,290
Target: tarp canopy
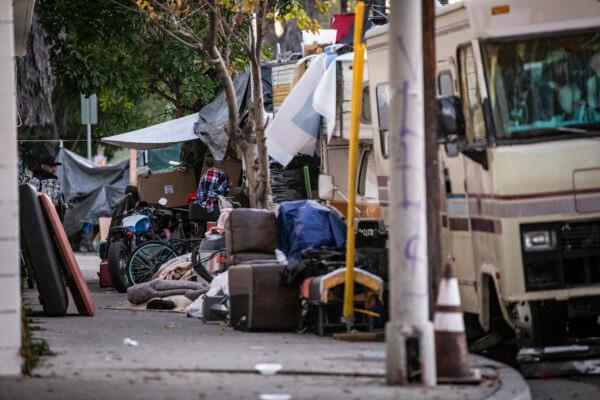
91,191
296,126
156,136
212,119
207,125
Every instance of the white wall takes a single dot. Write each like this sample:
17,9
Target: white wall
10,297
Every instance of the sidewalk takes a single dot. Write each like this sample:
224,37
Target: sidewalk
182,358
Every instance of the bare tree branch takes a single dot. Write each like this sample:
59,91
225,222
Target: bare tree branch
228,28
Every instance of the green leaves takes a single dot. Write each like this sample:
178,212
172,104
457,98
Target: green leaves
107,47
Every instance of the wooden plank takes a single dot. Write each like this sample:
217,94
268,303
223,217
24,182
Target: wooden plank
360,336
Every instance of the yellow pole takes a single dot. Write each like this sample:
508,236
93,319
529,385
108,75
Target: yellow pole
359,59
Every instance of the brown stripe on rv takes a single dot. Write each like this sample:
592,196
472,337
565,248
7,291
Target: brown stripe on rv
459,224
523,196
382,180
444,221
483,225
383,194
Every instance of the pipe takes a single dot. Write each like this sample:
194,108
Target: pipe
358,65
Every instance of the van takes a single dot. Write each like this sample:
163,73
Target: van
519,153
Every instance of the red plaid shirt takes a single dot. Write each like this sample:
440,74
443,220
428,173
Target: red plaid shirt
212,184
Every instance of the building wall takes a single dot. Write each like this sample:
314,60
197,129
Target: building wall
10,297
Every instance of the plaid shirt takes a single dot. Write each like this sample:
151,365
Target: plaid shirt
212,184
48,185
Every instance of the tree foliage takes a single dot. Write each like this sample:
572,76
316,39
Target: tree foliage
102,47
240,25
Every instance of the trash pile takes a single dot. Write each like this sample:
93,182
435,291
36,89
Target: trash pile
258,270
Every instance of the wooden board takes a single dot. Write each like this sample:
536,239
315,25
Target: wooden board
40,252
75,282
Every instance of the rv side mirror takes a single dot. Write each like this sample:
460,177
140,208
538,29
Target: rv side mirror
326,187
451,121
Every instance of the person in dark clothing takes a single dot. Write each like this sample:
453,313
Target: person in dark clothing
44,179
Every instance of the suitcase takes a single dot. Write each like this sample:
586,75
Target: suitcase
258,300
104,275
251,230
38,245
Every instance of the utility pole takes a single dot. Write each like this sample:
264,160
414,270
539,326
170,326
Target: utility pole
432,168
409,333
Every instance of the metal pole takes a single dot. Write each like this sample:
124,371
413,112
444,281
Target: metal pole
431,153
409,334
359,60
89,128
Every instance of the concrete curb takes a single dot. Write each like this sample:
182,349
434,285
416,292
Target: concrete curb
512,385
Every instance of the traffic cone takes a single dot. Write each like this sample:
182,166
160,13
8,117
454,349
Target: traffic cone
451,351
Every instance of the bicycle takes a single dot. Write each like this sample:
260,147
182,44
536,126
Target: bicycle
147,258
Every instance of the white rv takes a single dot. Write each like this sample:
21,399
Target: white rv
519,87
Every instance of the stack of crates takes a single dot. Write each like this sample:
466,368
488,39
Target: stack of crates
282,82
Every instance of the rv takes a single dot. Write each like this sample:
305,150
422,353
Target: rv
333,179
519,153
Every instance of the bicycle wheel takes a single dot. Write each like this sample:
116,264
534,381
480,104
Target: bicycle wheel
147,259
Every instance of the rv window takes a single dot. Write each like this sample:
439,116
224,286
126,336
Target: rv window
471,99
367,176
366,107
546,85
445,86
383,105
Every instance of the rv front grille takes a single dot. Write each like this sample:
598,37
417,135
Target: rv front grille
561,255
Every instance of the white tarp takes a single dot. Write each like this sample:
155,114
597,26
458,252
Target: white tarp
295,128
324,99
157,136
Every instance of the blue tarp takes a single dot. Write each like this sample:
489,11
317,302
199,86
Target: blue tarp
304,224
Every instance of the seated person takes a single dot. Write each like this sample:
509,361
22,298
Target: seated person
213,183
593,84
558,95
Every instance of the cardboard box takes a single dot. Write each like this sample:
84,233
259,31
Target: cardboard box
173,185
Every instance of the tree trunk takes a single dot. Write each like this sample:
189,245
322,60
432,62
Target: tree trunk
261,186
344,6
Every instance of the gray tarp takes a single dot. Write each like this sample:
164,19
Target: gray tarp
90,191
212,119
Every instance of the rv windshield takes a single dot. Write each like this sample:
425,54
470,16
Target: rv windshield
546,86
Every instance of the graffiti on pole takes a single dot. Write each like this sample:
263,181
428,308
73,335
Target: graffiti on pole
412,189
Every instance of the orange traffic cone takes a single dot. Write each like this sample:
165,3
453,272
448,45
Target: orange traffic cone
451,351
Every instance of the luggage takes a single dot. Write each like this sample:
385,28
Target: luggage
251,230
38,245
104,275
258,300
77,285
251,234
